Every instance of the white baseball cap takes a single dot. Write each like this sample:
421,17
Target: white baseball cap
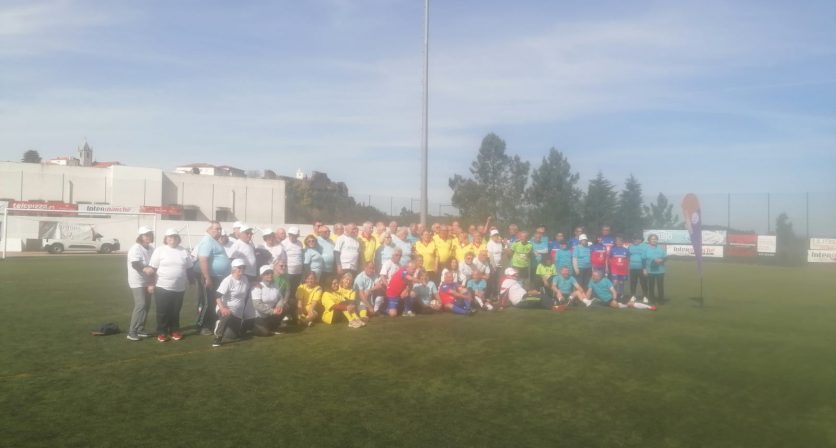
171,231
293,231
237,225
144,229
583,237
265,268
238,263
494,232
245,227
510,271
268,231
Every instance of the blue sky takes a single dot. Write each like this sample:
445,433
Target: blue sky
708,96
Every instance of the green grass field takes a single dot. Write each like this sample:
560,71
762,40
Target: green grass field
756,367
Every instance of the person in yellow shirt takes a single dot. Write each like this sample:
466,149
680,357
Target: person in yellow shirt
444,244
465,246
308,295
337,302
426,249
368,244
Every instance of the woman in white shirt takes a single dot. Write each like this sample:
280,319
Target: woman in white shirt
268,302
173,267
142,285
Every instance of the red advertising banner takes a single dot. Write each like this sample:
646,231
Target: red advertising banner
742,239
38,205
169,210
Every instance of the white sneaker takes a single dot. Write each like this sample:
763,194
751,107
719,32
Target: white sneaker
644,300
632,299
409,314
489,307
353,324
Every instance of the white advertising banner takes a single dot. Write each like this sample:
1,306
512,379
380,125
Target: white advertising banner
709,237
767,244
686,250
822,243
821,256
106,209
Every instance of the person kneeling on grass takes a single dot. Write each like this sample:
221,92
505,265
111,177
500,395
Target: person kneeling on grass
269,304
231,299
602,292
514,291
398,289
336,303
425,294
454,297
478,286
308,295
565,288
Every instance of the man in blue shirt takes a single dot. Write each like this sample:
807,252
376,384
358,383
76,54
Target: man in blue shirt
326,248
602,292
214,265
582,261
566,288
654,269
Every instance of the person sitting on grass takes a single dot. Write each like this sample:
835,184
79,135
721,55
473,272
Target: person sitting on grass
338,305
308,295
454,297
466,267
268,302
565,288
513,289
398,289
231,299
478,286
545,271
602,292
453,269
369,291
425,294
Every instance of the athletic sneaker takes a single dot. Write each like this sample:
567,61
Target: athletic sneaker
162,337
354,324
488,307
133,337
216,342
652,308
644,300
176,335
409,314
143,335
632,299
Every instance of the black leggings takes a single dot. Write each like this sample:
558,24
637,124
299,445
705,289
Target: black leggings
168,305
656,283
637,276
584,276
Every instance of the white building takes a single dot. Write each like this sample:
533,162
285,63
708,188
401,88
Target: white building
206,169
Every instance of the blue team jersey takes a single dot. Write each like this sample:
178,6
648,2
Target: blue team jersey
650,254
563,258
599,255
565,285
619,251
601,289
583,255
608,241
636,253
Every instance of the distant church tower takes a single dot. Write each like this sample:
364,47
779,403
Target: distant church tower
300,174
85,155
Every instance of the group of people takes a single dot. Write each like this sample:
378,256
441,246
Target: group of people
357,272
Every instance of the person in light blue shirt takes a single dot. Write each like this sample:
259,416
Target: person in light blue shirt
541,244
214,265
582,261
385,251
602,292
636,254
566,288
326,249
402,242
654,269
563,256
312,258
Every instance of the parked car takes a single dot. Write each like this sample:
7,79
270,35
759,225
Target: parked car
95,244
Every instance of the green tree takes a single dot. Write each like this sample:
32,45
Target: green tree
629,220
660,215
496,187
553,197
31,156
789,250
599,204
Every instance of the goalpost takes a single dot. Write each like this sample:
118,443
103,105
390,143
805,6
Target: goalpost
87,218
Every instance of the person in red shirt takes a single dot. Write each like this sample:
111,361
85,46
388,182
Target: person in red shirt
398,289
619,265
454,297
598,256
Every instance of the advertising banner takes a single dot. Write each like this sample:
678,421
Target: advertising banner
742,239
822,243
106,209
709,237
821,256
35,205
162,210
686,250
767,244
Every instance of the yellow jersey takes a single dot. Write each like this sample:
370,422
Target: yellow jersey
306,296
430,254
368,248
445,248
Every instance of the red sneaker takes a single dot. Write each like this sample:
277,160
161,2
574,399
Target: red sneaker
162,337
652,308
176,335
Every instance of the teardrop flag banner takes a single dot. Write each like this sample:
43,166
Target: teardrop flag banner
693,222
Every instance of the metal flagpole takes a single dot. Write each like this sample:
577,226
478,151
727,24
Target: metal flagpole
424,115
